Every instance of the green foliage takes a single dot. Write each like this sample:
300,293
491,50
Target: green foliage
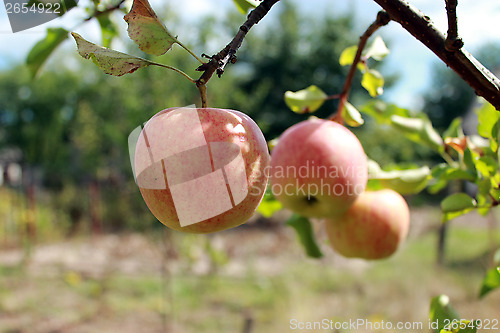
444,318
348,55
404,180
269,204
108,29
245,5
146,30
382,112
305,233
491,281
441,312
377,50
110,61
449,96
305,101
487,117
419,130
457,204
351,115
266,68
373,82
44,48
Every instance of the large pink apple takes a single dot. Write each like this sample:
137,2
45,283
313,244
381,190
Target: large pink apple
201,170
373,227
318,168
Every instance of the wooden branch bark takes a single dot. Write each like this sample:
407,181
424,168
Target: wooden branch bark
453,41
382,19
219,61
483,82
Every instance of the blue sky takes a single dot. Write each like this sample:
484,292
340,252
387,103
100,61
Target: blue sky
408,57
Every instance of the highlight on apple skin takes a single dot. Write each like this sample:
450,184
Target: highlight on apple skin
201,170
318,168
372,228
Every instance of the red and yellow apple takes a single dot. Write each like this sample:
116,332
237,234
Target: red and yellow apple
318,168
201,170
372,228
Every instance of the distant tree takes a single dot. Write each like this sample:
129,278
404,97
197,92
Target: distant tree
449,96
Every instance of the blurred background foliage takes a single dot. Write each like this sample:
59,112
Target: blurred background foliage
72,122
71,126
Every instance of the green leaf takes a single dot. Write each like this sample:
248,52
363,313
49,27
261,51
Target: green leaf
487,116
456,205
109,61
44,48
457,202
268,208
306,235
351,115
377,50
490,282
486,165
373,82
455,129
108,29
405,181
470,159
443,173
446,172
269,204
419,130
483,197
245,5
146,30
305,101
347,56
441,311
382,112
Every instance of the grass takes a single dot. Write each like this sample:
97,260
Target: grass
40,298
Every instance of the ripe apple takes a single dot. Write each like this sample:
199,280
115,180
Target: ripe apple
372,228
201,170
318,168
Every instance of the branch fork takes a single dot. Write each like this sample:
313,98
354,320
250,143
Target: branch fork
219,61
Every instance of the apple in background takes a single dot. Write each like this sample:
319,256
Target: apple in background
201,170
318,168
372,228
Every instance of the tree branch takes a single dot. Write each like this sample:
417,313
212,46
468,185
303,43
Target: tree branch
219,61
453,42
382,19
462,62
105,11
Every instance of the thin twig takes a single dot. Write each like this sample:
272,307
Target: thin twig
382,19
453,41
105,11
219,61
173,69
462,62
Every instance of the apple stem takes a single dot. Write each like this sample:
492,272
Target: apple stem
203,93
382,19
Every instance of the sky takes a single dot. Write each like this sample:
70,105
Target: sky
410,59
